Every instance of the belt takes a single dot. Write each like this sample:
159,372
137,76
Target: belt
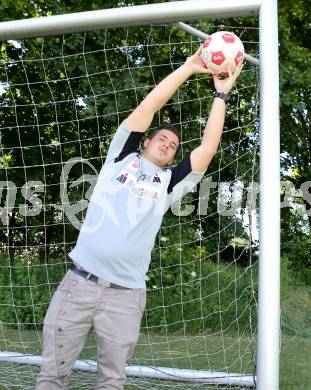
94,278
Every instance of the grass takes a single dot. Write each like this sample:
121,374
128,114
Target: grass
295,361
195,351
206,352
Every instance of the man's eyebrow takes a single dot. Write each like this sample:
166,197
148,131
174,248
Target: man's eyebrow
171,142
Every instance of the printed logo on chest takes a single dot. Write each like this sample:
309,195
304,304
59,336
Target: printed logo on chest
140,184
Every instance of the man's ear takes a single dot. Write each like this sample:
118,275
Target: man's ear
146,142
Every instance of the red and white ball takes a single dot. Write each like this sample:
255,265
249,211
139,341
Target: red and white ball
221,49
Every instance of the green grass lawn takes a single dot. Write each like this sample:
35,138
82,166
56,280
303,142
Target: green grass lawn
185,351
179,351
295,365
295,362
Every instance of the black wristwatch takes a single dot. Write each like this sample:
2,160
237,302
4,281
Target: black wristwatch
222,95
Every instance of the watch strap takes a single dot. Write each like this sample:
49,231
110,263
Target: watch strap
222,95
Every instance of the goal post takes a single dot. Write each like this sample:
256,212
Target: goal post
267,371
269,264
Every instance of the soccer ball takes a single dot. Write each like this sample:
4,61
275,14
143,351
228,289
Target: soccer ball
221,49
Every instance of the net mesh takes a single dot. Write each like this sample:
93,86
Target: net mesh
62,99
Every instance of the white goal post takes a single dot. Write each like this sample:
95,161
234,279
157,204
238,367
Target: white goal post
267,371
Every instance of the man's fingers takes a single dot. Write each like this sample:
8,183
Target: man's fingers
238,69
199,50
202,63
209,71
229,70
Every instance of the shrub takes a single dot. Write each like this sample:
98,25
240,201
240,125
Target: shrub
187,293
192,295
26,289
299,257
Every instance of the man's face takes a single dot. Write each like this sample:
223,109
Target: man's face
161,149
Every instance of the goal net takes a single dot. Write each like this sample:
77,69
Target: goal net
62,99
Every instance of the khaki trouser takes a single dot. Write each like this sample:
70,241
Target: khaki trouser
78,305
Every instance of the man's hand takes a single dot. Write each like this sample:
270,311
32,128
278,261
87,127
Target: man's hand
203,154
196,63
225,85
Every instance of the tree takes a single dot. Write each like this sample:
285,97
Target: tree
295,106
62,137
295,83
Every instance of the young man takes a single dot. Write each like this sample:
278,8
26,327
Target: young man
105,289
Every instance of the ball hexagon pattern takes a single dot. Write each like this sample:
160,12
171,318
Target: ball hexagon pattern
222,49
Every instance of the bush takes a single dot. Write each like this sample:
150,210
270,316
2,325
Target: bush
26,289
192,295
299,257
187,292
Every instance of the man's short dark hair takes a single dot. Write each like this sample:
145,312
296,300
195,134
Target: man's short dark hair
171,128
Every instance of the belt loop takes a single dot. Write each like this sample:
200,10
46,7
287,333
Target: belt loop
88,276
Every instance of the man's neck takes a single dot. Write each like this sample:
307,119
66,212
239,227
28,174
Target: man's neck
150,159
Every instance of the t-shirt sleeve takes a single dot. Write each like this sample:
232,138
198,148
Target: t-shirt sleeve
183,179
123,143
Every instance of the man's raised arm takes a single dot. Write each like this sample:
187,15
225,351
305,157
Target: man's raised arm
140,119
202,155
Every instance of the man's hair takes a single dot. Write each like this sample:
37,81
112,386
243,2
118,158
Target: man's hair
171,128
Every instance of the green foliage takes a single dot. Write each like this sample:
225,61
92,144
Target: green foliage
287,277
197,295
26,290
296,313
41,97
191,291
299,258
70,98
295,102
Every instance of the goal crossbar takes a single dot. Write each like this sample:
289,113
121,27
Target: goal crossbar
127,16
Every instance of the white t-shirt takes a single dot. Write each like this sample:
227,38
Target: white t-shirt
126,210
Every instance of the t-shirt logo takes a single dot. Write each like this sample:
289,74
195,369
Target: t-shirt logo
146,191
140,184
134,165
122,177
156,178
